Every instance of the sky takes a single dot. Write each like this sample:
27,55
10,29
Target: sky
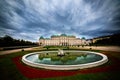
30,19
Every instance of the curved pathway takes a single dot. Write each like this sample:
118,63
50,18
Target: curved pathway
15,50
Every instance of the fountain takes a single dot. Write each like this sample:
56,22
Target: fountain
57,60
60,53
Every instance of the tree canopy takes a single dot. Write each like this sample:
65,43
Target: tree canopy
7,41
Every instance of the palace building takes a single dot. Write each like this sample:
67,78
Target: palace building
62,40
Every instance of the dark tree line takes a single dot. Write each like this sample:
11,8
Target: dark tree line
113,40
7,41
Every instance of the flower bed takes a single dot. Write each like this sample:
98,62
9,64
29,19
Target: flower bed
31,72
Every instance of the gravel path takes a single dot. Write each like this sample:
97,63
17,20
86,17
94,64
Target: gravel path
104,48
15,50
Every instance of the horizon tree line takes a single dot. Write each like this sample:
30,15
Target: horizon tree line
8,41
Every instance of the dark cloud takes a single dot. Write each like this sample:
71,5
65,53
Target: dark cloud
29,19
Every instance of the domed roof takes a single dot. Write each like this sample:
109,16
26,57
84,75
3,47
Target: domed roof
41,37
63,35
83,37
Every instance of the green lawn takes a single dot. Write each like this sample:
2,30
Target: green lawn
9,71
96,76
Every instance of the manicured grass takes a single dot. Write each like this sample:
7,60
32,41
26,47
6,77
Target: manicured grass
9,71
97,76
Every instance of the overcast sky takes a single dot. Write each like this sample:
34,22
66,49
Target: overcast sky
30,19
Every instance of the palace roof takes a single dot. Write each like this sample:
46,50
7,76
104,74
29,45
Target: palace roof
63,35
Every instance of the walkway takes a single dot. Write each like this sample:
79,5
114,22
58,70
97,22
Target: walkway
13,51
104,48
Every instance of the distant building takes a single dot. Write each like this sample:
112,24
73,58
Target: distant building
62,40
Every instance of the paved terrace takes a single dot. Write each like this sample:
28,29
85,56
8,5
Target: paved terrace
15,50
104,48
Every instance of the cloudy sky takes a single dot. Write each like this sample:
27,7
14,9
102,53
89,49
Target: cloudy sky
30,19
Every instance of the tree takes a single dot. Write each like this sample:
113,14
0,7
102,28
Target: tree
7,41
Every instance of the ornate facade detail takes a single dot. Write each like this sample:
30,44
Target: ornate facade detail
62,40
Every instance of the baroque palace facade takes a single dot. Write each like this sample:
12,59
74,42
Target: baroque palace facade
62,40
